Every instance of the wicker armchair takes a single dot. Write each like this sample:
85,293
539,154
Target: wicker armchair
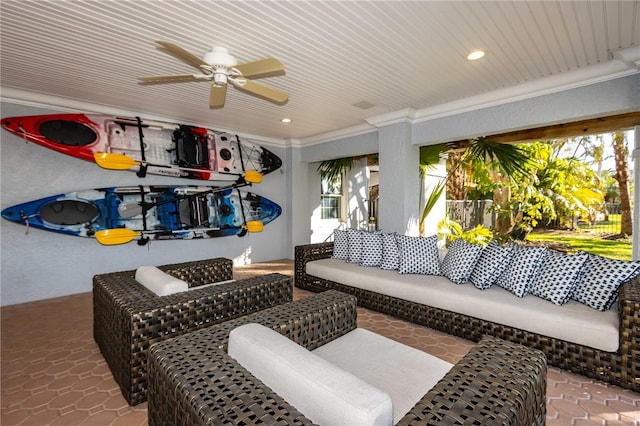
620,368
128,318
192,380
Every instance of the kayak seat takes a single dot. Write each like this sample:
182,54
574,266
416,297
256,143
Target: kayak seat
194,212
191,149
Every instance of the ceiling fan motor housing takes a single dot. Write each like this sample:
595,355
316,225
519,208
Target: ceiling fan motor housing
220,77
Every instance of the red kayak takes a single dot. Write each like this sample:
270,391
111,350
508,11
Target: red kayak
146,146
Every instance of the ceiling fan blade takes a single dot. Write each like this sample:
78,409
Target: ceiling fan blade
263,66
263,91
217,96
178,78
182,54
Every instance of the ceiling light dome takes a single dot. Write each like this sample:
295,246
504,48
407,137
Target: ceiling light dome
475,54
221,57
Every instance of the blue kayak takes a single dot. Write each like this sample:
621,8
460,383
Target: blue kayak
149,212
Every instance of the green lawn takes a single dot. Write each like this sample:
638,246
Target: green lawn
611,226
617,249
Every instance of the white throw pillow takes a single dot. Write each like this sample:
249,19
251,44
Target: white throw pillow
159,282
460,260
519,276
559,275
355,245
371,248
321,391
598,287
340,245
419,255
390,252
492,263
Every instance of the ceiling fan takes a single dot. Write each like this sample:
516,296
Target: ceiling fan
221,68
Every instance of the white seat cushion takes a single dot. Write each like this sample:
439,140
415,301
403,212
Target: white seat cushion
573,322
321,391
159,282
404,373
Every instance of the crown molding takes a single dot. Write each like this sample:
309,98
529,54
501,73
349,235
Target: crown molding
348,132
406,115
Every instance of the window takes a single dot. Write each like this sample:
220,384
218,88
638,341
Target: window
331,198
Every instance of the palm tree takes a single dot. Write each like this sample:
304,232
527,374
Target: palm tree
332,169
503,160
622,176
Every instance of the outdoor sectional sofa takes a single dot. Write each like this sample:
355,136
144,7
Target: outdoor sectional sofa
128,318
193,380
612,354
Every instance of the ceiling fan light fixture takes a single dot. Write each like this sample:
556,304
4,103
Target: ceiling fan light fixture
476,54
219,56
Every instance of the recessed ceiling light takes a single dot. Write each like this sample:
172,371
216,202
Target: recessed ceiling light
286,120
476,54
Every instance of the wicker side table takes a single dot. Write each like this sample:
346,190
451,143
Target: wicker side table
128,318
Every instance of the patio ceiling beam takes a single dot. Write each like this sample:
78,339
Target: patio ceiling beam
577,128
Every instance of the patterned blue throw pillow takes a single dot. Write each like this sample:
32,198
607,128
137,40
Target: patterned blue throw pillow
390,252
559,276
518,277
371,248
601,279
419,255
355,245
460,260
492,263
340,245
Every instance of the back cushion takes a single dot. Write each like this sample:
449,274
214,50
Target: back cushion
324,393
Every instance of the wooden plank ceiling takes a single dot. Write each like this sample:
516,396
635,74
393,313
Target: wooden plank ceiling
340,56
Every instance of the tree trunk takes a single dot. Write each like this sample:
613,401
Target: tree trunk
502,202
622,177
456,188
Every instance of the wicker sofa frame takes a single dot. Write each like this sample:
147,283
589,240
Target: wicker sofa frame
192,380
128,318
620,368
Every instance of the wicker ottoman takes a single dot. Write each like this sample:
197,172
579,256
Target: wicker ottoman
192,380
128,318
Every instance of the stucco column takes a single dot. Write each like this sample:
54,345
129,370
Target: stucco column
298,199
399,180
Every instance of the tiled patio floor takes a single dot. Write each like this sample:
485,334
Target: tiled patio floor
53,373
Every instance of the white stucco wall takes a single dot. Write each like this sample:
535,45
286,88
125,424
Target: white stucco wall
44,264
